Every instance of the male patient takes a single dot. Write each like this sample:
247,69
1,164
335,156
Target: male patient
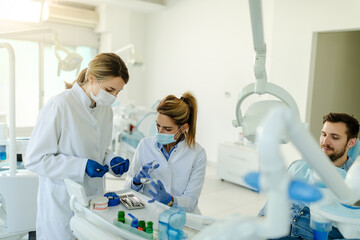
338,135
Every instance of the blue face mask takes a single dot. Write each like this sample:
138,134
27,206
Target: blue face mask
166,139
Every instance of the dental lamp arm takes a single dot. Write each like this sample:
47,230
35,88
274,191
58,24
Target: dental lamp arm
259,46
120,50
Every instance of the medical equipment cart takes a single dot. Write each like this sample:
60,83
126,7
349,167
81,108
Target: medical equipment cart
90,224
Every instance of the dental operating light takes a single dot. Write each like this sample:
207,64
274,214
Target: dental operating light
261,86
70,62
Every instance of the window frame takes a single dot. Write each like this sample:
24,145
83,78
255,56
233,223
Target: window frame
84,37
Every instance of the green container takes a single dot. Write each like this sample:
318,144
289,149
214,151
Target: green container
142,225
121,216
149,227
127,227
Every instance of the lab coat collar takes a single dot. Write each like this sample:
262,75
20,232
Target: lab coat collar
84,98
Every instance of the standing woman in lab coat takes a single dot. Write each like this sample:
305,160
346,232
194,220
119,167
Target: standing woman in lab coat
178,172
71,139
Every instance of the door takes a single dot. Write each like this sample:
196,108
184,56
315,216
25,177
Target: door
334,83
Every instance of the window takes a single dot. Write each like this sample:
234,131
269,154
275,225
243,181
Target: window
28,78
26,81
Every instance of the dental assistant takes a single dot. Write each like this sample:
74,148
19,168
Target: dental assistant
179,172
71,139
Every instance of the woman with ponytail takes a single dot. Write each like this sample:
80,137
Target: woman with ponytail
178,172
71,139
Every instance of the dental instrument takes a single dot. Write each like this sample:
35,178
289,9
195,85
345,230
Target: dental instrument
131,201
117,164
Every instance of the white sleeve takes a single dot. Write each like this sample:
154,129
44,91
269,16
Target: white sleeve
109,155
190,197
42,155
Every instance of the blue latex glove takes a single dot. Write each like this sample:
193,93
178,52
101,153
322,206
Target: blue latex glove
119,165
95,169
144,172
161,195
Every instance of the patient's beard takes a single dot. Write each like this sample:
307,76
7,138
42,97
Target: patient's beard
337,154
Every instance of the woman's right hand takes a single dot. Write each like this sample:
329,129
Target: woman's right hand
144,172
95,169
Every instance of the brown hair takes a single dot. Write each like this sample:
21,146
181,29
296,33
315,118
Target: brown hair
181,110
352,124
102,66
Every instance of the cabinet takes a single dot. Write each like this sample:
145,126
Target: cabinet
235,160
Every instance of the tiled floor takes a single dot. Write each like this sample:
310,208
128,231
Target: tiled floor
218,198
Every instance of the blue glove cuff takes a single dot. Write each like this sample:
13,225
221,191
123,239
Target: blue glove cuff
168,200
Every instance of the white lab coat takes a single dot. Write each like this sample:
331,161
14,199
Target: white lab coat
183,174
67,133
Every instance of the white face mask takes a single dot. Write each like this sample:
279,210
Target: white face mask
103,98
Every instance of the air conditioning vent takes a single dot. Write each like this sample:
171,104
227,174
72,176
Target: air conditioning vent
73,15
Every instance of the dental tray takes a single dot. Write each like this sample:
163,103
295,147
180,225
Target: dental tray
131,201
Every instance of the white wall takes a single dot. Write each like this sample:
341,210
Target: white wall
204,46
118,27
294,24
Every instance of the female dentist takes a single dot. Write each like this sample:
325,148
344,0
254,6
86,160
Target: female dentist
71,139
179,173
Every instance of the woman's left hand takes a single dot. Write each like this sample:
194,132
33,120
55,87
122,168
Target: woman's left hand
161,195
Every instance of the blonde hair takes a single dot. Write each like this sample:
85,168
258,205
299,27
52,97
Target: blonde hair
102,66
182,110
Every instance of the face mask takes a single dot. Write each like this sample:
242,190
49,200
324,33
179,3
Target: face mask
103,98
166,139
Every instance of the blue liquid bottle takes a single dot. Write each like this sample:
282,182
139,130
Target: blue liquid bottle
2,152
